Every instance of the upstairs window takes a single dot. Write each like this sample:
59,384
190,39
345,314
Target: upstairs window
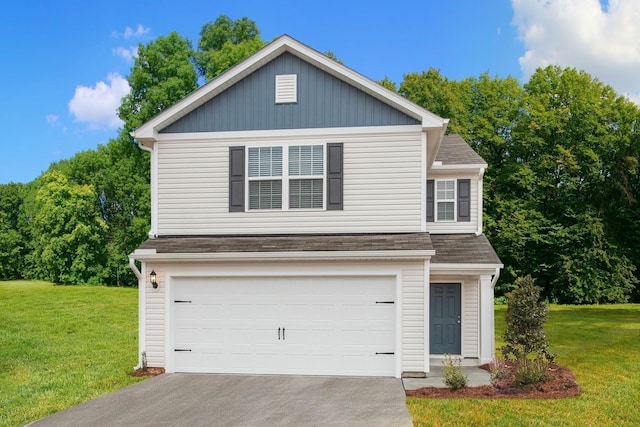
306,176
265,177
445,200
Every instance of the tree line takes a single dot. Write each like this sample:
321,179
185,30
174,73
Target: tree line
561,189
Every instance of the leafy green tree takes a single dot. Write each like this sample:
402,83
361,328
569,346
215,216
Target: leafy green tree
161,75
389,84
224,43
12,239
68,236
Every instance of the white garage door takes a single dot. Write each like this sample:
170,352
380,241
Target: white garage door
284,325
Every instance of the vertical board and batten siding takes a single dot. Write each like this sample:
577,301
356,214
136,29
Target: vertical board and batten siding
410,272
382,188
457,226
323,101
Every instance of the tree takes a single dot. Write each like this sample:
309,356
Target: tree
526,315
67,235
12,239
224,43
161,75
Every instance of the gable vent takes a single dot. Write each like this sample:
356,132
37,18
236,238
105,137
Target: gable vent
286,88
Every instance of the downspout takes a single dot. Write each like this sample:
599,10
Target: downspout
134,268
480,202
496,276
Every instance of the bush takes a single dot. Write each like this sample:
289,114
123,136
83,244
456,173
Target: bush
497,369
525,317
530,372
454,376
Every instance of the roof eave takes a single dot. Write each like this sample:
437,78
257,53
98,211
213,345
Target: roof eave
152,255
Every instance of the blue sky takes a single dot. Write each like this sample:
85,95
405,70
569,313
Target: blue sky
66,61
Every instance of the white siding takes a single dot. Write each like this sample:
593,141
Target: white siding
457,227
155,320
409,273
470,316
382,188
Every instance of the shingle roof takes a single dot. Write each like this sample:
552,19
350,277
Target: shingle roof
455,151
463,249
291,243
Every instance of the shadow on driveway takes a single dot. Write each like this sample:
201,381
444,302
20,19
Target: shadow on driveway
239,400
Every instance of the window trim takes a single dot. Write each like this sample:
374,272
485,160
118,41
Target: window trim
286,178
454,200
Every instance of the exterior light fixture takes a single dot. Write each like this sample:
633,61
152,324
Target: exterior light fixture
154,279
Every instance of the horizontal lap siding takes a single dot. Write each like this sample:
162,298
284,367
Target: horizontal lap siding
154,321
470,318
413,317
382,190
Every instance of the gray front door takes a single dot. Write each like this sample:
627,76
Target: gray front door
445,317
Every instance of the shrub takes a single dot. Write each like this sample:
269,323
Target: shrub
525,318
497,369
454,376
530,372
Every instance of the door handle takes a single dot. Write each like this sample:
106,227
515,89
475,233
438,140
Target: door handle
458,321
278,333
283,333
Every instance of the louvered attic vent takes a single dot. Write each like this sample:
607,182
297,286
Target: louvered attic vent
286,88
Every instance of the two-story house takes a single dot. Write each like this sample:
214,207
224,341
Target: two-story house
306,220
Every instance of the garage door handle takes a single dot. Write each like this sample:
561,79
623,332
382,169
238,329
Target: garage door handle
181,349
385,353
278,333
181,301
385,302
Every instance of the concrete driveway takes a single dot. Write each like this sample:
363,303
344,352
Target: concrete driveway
239,400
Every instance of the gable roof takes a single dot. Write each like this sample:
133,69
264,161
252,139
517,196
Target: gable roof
147,132
455,151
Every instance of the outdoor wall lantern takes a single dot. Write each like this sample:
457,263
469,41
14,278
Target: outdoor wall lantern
154,279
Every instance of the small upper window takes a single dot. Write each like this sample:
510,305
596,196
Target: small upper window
286,88
445,200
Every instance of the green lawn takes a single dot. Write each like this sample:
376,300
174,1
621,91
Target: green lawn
600,344
62,345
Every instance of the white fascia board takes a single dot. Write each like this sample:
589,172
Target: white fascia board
306,133
473,269
281,256
149,131
471,168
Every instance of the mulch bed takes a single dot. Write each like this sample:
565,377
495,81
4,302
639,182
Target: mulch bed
562,383
150,372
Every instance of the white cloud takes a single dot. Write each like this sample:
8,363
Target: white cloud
581,34
97,105
52,119
127,53
139,31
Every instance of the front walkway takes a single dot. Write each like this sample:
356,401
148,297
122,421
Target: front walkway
435,378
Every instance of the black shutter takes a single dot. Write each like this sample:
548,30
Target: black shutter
236,179
464,200
334,176
430,200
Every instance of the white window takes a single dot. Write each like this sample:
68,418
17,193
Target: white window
286,88
265,164
445,200
306,169
298,186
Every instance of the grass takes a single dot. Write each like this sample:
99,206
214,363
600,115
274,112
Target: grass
62,345
600,344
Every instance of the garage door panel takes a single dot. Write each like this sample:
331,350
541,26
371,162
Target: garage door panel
332,326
